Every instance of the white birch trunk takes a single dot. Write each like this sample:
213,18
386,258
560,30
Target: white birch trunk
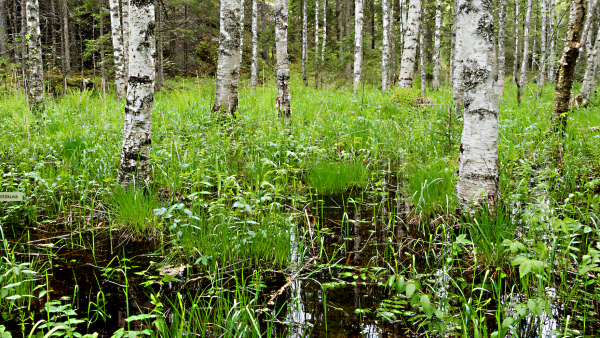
393,45
410,44
358,43
347,21
126,36
254,66
4,26
119,55
324,39
316,44
516,37
422,58
385,53
304,43
283,88
552,37
502,49
543,45
586,36
36,71
403,16
436,52
525,62
242,14
478,161
592,64
228,64
135,154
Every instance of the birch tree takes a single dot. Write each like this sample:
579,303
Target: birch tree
36,70
552,37
117,40
126,35
283,88
228,64
410,44
592,64
324,39
525,63
135,153
3,28
478,161
358,42
254,66
242,14
385,55
340,29
543,45
501,48
422,57
348,32
586,35
304,42
566,65
436,52
456,61
516,37
316,44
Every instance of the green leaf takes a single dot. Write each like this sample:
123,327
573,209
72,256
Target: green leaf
400,285
410,289
140,317
427,307
4,333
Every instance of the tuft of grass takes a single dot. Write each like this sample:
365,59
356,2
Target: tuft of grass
432,188
336,177
134,210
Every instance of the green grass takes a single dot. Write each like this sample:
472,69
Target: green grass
337,177
134,210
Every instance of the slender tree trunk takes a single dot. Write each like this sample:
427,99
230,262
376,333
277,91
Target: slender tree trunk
409,55
543,45
340,29
126,38
53,30
160,70
593,57
566,65
372,24
102,70
525,63
403,18
324,39
36,70
118,48
228,67
254,70
66,51
533,43
455,88
316,44
242,15
24,54
393,45
552,37
422,55
501,49
385,55
516,37
358,43
347,18
4,28
135,153
478,161
586,35
283,88
436,52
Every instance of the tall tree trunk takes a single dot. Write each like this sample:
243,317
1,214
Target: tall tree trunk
118,48
4,28
394,69
543,45
228,67
36,70
385,45
358,42
372,24
65,48
552,37
453,83
533,43
525,63
516,37
283,87
102,68
24,54
340,29
478,161
347,18
436,52
593,57
403,18
566,65
316,44
254,69
324,39
586,35
160,69
502,49
409,55
242,15
53,30
125,28
422,55
135,153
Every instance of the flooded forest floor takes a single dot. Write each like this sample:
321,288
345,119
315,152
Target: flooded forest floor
341,223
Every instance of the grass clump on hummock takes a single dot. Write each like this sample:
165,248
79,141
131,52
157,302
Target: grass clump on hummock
431,188
336,177
134,209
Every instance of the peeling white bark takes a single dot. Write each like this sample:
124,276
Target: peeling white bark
525,62
36,71
592,64
410,44
324,39
422,57
254,69
552,37
502,49
228,64
478,161
126,36
3,28
242,14
283,87
436,52
135,153
358,42
385,50
316,44
119,55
